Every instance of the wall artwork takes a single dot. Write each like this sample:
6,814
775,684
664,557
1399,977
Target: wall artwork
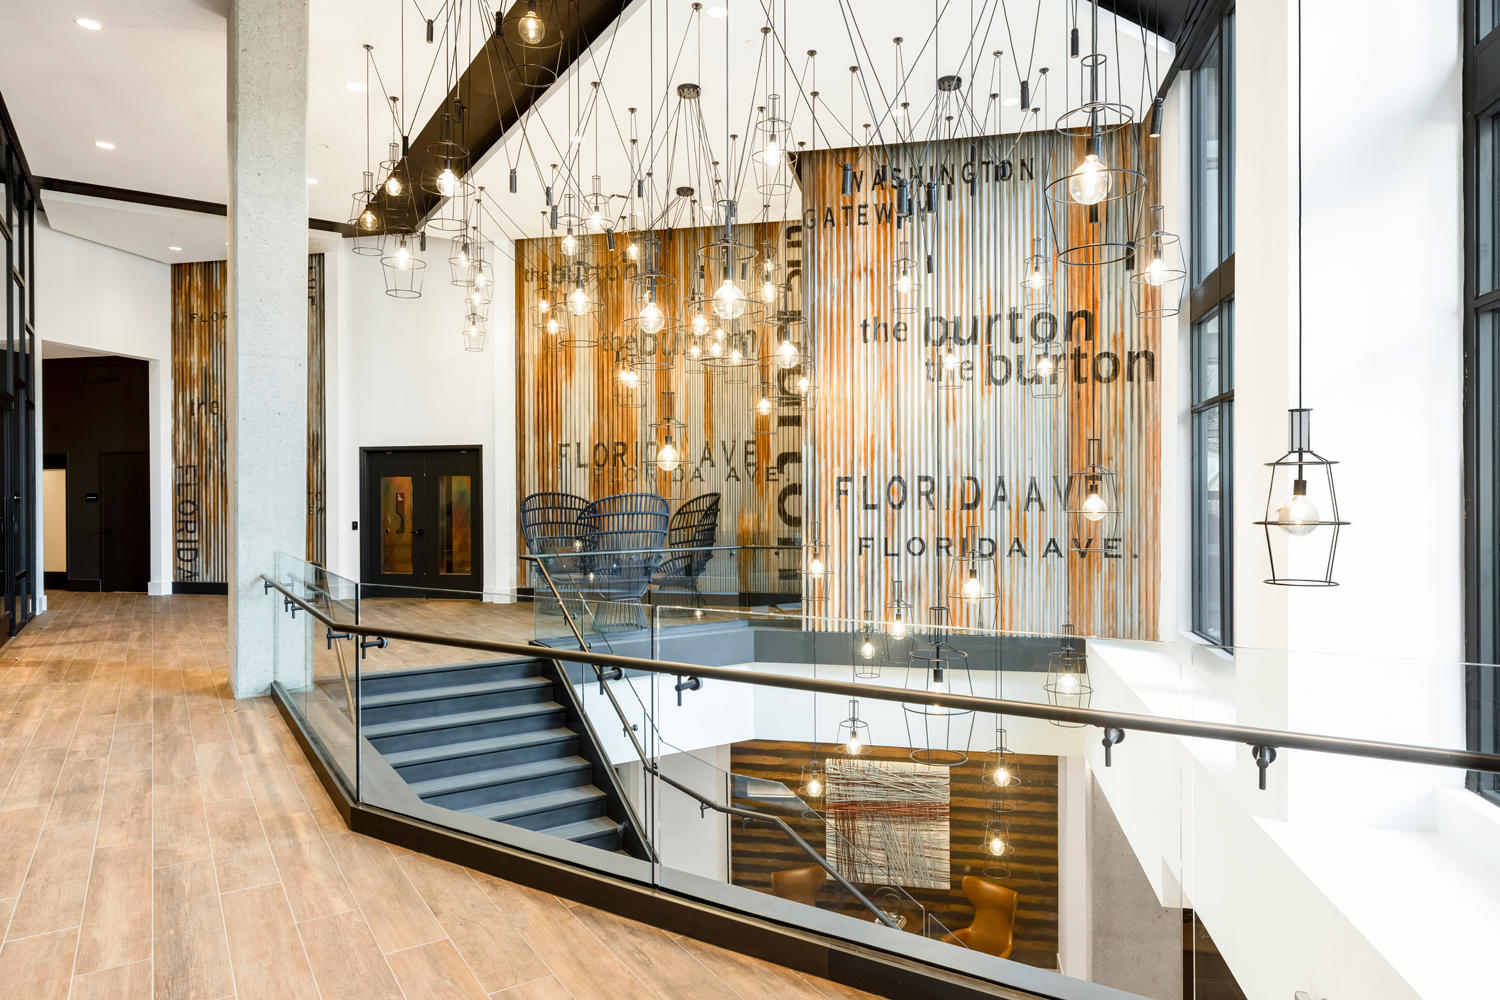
888,822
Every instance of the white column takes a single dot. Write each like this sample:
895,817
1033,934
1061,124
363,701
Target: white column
267,65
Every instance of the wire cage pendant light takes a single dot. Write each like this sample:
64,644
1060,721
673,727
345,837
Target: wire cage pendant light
402,265
939,735
1068,684
1092,500
1159,278
1302,512
853,734
1301,521
869,650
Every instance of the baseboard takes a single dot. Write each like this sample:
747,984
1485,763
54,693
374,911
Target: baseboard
159,588
179,587
55,579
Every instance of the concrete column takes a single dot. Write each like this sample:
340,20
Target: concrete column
267,65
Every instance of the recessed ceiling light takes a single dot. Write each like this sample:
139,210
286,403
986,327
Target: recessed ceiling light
87,23
718,11
104,145
356,86
175,249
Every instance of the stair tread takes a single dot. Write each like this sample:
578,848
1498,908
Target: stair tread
439,668
376,730
453,691
525,805
583,828
498,775
469,748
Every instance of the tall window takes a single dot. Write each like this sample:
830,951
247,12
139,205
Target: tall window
1212,336
1482,379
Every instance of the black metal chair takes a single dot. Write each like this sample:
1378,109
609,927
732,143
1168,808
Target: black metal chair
551,526
623,538
692,531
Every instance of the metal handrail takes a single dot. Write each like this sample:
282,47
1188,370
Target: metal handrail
1252,736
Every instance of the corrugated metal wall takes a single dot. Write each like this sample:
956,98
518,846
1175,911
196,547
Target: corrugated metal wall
902,471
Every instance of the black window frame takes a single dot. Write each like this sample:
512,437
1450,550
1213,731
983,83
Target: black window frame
1212,299
1481,334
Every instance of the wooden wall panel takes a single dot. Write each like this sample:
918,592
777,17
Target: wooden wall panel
200,393
758,849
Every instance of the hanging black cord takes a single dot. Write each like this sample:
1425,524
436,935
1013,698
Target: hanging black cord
1300,272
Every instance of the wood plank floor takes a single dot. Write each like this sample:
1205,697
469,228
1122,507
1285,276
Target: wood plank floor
159,838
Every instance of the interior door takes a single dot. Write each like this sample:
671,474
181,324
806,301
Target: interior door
421,523
124,520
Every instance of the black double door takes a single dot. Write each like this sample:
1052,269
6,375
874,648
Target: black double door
421,521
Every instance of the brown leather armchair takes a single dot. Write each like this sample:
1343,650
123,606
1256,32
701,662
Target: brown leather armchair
800,885
993,930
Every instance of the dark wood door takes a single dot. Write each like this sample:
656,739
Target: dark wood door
124,520
421,523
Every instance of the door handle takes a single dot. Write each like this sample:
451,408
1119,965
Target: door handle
416,532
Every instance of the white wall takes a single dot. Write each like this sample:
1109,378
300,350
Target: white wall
106,300
398,375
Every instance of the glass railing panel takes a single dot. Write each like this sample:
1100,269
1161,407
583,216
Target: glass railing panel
318,674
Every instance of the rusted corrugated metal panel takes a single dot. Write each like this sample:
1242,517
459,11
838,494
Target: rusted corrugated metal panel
200,502
902,471
574,435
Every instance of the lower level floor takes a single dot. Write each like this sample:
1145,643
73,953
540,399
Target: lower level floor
159,838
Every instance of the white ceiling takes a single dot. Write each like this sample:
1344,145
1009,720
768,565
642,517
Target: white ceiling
153,83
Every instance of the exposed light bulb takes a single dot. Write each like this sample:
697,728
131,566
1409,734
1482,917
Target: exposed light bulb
1089,183
770,154
480,278
996,846
729,301
1034,280
569,245
814,787
972,590
552,326
763,407
633,252
367,220
531,28
716,348
578,301
852,745
1067,683
629,377
463,259
898,628
403,257
1045,366
695,352
768,292
393,186
815,566
596,221
735,356
1156,273
786,355
1094,507
950,360
1002,775
651,319
903,283
447,182
667,458
542,305
867,650
700,324
802,385
477,298
1298,516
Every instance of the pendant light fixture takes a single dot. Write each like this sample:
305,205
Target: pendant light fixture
1160,275
853,733
1302,520
938,735
1092,500
1093,201
1068,684
898,612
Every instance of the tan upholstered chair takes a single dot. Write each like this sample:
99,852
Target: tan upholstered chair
800,885
994,926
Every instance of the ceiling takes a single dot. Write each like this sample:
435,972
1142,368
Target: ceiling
152,82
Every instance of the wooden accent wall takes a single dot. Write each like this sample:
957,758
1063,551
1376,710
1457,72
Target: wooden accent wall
758,849
200,391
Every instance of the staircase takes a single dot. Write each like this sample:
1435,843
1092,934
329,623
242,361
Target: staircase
501,741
